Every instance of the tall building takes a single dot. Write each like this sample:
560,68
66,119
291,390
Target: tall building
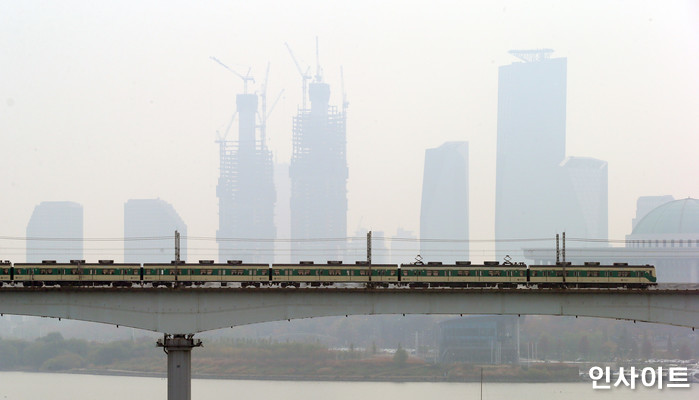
149,230
444,206
405,247
318,172
282,213
530,146
585,185
246,194
52,220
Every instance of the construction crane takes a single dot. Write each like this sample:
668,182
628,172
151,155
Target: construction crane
305,76
319,70
345,103
245,78
264,114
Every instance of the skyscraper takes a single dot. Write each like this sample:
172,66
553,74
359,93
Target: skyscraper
53,220
153,222
246,194
444,206
585,185
530,146
318,173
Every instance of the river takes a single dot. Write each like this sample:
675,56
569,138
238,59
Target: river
43,386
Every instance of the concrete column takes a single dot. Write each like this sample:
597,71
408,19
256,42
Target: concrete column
179,364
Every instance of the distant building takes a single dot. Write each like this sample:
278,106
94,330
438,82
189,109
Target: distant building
444,206
666,237
585,201
152,222
530,146
646,204
404,247
62,220
246,193
484,339
318,173
282,212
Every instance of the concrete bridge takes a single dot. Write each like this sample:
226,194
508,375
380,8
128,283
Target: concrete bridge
182,312
194,310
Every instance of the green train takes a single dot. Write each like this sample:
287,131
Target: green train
309,274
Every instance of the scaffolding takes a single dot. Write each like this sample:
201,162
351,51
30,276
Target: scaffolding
318,173
246,192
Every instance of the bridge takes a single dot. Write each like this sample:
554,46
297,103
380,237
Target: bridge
181,312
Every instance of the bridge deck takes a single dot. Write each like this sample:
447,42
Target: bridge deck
192,310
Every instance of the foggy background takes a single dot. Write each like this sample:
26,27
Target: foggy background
106,102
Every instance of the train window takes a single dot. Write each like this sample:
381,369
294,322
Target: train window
494,273
593,273
334,272
623,274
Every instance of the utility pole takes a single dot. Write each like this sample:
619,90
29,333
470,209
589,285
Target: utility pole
564,258
368,247
177,247
558,251
564,247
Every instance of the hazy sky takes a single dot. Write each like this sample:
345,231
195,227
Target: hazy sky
106,101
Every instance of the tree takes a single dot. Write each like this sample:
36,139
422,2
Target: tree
401,356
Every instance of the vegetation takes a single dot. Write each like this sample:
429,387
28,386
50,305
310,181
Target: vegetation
252,359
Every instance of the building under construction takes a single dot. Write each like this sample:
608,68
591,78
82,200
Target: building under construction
245,190
318,172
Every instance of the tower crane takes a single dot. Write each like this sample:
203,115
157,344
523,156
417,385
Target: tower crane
264,114
305,76
245,78
345,103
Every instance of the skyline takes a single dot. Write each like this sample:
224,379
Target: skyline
104,105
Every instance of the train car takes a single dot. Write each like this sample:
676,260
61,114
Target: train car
233,271
161,274
306,272
77,273
106,272
48,272
5,272
592,274
382,275
463,274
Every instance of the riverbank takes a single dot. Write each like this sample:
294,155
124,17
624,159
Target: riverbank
413,373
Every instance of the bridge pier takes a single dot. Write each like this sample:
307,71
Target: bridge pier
179,364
